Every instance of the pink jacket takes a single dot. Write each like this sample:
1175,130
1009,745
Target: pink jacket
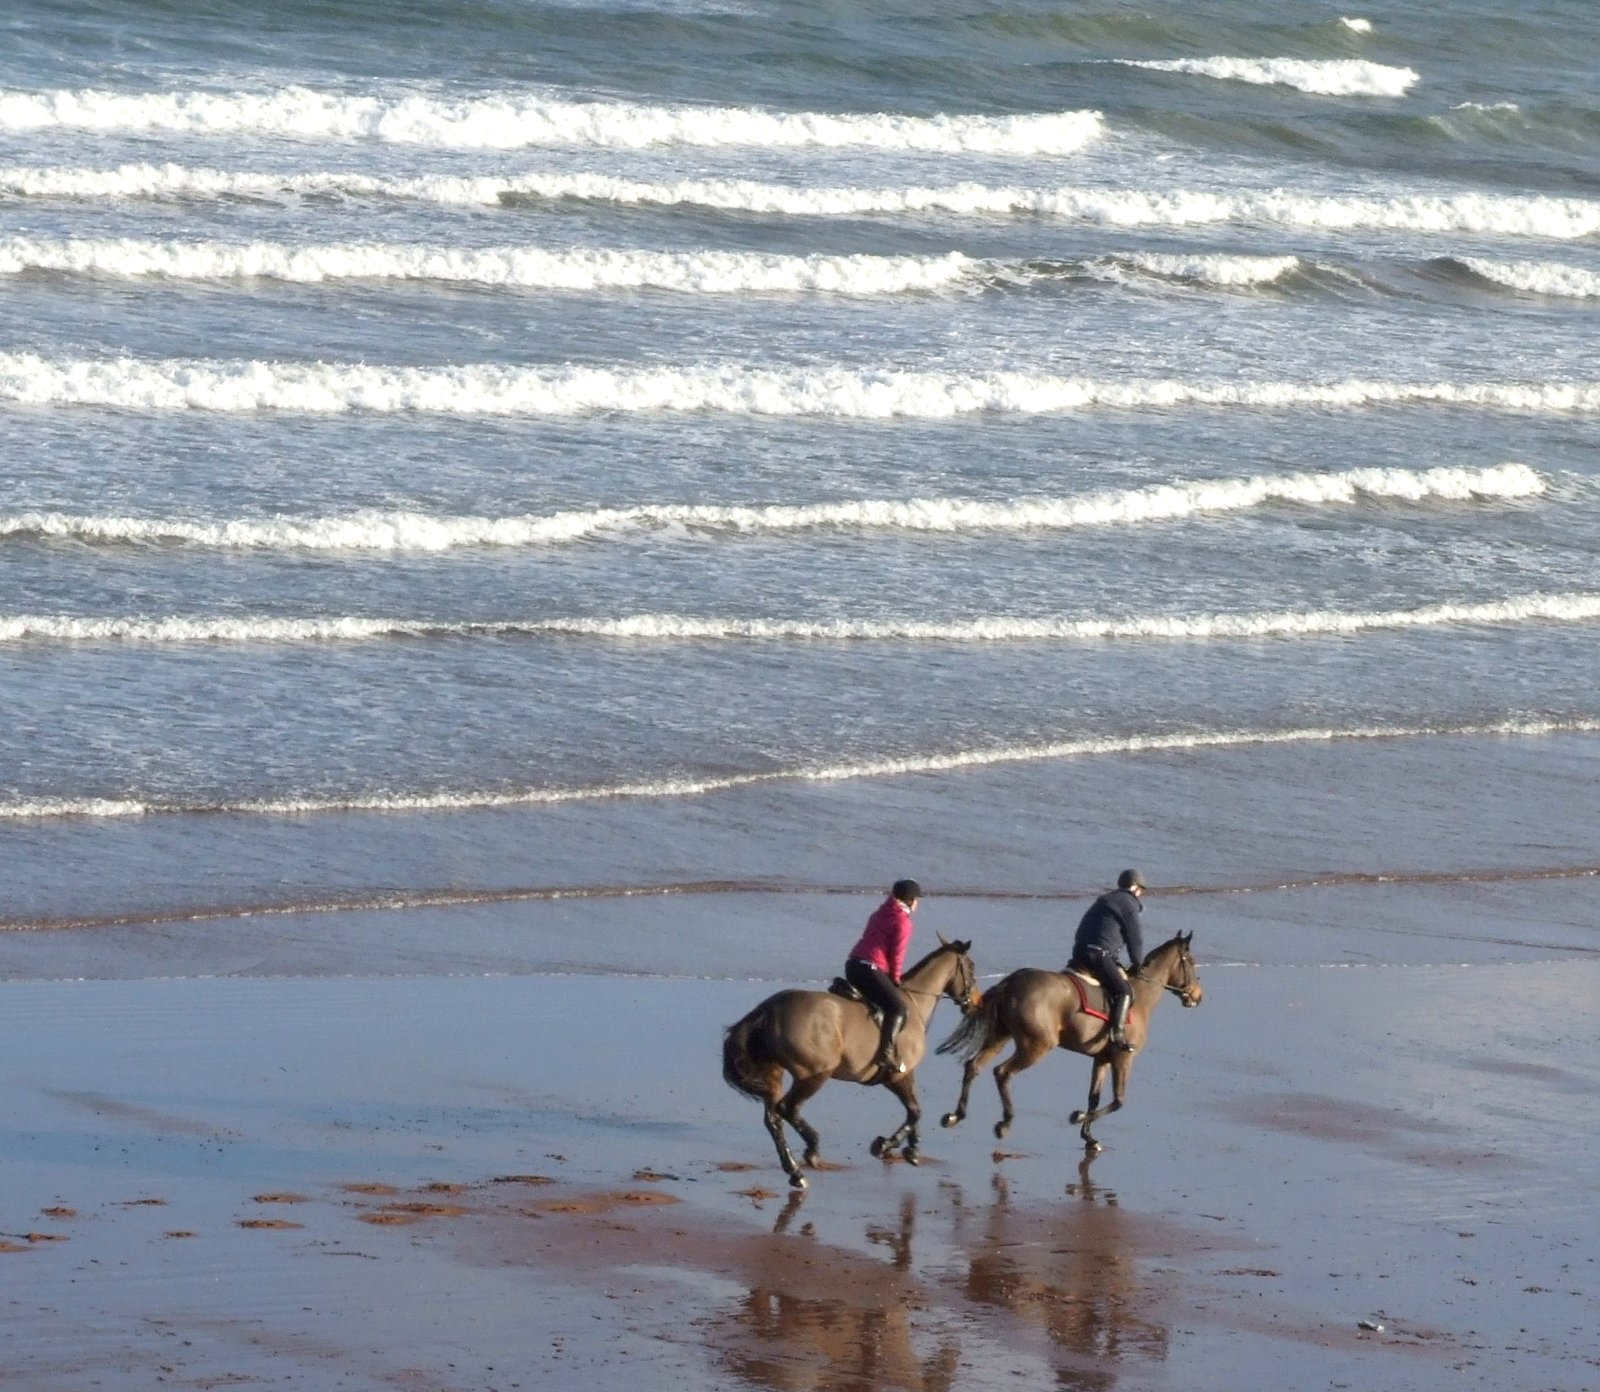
887,935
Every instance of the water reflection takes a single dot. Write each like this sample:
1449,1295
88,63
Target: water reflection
950,1279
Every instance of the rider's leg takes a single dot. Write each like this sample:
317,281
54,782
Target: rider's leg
877,988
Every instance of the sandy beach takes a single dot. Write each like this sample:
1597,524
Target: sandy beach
466,1147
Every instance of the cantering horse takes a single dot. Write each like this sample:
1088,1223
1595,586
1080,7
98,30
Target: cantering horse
1041,1010
816,1035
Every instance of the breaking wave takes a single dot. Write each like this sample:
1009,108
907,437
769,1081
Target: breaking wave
1537,608
594,268
1476,213
516,120
704,272
884,768
1327,77
838,393
411,531
1537,277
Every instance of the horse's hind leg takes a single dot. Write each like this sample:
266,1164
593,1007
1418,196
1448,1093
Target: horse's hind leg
772,1115
1028,1052
975,1065
903,1086
803,1091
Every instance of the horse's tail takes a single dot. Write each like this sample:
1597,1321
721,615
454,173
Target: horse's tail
977,1031
740,1066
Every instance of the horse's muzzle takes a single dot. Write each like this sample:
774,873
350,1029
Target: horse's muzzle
1192,997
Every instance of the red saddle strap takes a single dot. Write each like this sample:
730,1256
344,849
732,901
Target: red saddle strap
1077,979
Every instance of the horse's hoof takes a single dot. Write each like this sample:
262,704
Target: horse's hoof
1000,1129
877,1146
1075,1119
913,1158
813,1160
797,1181
1092,1147
951,1119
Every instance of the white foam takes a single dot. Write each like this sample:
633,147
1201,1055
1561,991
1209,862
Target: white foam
412,531
1227,271
1538,277
839,393
514,120
1357,26
882,768
1329,77
699,272
1476,213
1535,608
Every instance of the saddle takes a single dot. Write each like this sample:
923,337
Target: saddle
1083,981
841,987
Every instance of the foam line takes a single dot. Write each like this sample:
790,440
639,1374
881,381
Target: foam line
1478,214
699,272
411,531
1522,609
1327,77
47,807
156,385
1538,277
515,120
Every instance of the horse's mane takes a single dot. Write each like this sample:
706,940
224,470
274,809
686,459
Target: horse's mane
943,947
1177,940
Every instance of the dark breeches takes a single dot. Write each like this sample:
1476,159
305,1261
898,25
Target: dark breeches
877,988
1102,966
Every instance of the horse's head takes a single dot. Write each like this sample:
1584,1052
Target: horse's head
1172,964
962,987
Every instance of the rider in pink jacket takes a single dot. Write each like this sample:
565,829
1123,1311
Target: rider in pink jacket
876,961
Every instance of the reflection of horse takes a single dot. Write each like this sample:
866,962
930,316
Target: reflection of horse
1074,1276
1042,1010
816,1035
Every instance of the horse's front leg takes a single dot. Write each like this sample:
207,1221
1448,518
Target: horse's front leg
803,1091
1118,1063
903,1086
975,1065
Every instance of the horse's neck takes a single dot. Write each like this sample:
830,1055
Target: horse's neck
1151,984
925,985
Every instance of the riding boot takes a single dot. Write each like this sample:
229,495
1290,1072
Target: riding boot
885,1059
1119,1022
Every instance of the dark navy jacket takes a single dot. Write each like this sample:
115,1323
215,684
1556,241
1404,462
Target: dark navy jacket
1113,919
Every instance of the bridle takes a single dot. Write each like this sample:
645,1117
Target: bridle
966,996
1181,989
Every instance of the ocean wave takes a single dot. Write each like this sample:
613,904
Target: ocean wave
1328,77
1221,270
708,272
1357,26
579,269
468,800
412,531
838,393
1537,277
514,120
1536,608
1484,214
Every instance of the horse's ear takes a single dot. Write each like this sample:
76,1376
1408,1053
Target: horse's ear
963,947
944,940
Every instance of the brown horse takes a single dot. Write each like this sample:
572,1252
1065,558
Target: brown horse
1042,1010
816,1035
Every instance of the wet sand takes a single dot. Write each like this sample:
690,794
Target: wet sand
537,1181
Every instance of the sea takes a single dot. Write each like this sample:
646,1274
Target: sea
492,449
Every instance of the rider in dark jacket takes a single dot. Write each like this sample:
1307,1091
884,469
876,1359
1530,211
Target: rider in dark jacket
1112,922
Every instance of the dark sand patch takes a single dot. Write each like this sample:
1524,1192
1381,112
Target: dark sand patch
144,1203
377,1190
522,1179
59,1211
284,1198
269,1223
